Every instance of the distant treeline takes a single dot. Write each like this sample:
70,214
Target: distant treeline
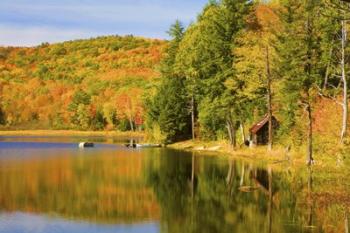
85,84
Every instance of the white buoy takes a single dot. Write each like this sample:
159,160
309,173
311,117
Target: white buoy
86,144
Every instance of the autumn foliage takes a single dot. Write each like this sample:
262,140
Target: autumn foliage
40,86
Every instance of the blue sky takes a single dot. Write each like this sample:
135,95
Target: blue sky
31,22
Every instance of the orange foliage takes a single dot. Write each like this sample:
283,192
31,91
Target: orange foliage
38,84
327,118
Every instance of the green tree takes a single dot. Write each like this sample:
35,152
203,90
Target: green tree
168,108
83,118
255,60
205,58
80,100
300,66
109,114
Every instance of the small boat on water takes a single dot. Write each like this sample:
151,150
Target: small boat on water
86,144
133,145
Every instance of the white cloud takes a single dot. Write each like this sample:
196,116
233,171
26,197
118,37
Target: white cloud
28,24
31,36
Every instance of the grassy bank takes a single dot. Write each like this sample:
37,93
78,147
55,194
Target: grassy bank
70,133
223,148
278,156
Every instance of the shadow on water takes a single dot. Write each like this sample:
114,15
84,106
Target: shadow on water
157,190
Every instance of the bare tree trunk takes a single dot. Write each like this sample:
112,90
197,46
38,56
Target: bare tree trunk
310,159
130,114
131,124
229,131
269,97
242,131
232,133
192,118
345,88
234,141
327,70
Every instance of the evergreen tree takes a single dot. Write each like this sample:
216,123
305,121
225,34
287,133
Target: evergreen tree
205,58
168,110
300,66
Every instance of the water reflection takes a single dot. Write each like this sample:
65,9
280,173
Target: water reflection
103,187
170,190
201,194
196,196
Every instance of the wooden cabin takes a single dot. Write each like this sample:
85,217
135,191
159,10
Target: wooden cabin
259,132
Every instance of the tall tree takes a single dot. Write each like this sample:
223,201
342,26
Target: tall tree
299,55
256,56
205,58
344,80
167,109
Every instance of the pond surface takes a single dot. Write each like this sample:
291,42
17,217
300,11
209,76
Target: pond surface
50,185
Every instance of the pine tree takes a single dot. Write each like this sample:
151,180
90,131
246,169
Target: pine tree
168,108
205,58
299,52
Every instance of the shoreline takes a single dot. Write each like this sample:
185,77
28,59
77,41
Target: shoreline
277,157
69,133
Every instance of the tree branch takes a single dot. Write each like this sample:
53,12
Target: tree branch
322,94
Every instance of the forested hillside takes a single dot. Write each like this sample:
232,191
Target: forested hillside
238,62
85,84
242,60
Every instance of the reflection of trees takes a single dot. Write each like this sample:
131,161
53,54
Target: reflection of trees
310,201
218,204
169,174
103,188
190,192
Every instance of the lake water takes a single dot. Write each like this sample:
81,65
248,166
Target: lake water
50,185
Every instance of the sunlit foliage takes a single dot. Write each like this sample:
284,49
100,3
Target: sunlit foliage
84,84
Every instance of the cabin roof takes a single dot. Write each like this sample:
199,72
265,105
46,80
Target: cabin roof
256,127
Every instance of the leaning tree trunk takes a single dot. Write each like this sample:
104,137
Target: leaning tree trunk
345,88
269,98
